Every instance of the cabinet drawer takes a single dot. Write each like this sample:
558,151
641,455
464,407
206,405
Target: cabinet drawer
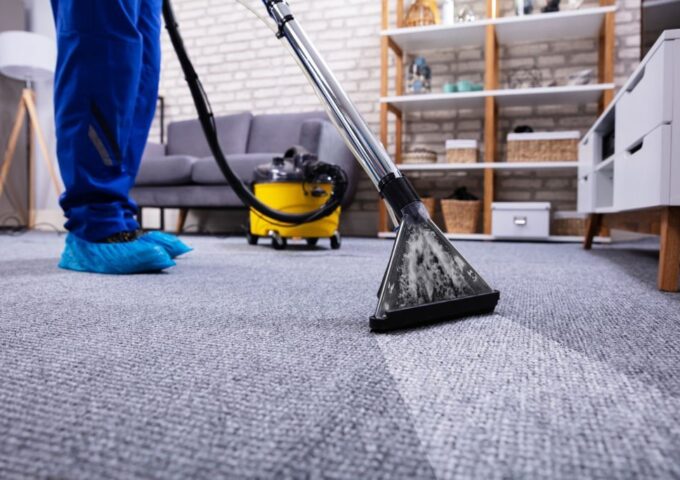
585,194
642,173
645,104
516,221
586,154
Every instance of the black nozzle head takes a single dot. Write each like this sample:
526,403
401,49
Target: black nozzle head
427,279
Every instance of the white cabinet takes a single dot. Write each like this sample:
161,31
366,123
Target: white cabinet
644,169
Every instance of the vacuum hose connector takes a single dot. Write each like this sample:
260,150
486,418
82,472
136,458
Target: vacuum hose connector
399,191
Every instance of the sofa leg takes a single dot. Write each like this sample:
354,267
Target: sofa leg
140,218
162,226
182,219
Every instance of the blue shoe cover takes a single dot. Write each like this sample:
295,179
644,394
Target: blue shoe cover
113,258
170,243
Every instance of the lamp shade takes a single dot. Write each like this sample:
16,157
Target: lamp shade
27,56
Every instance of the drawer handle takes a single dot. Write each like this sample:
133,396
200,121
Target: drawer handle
520,221
637,147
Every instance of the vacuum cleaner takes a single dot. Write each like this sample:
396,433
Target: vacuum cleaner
296,183
427,280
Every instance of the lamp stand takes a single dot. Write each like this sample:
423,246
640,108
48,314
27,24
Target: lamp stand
27,106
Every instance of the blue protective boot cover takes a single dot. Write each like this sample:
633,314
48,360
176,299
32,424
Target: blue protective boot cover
113,258
170,243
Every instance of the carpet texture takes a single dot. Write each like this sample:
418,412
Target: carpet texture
243,362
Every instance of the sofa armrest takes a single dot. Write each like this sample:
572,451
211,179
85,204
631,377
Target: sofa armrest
310,134
152,150
321,138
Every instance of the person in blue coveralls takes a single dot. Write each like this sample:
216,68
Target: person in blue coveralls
106,87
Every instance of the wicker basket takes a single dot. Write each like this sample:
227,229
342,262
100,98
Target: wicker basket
543,147
431,204
568,224
461,151
461,216
420,155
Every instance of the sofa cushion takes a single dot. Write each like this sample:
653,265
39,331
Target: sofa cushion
206,171
278,132
186,137
153,149
186,196
169,170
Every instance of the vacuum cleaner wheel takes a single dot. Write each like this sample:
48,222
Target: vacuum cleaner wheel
278,242
336,241
252,239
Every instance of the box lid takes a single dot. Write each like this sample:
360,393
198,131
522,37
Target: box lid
565,135
454,144
520,206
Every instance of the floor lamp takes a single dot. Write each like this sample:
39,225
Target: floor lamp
28,57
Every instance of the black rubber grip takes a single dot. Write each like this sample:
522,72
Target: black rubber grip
398,192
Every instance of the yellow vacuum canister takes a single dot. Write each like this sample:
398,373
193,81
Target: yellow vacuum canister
282,186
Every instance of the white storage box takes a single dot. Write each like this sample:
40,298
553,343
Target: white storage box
462,151
529,220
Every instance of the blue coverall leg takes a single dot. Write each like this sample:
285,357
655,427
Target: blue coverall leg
106,86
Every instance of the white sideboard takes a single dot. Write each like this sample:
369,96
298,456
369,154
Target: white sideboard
629,161
639,167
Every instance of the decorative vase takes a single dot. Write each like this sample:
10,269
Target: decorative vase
448,12
420,14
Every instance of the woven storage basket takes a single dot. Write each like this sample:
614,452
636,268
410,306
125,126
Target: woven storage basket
543,147
420,156
461,151
430,203
461,216
568,224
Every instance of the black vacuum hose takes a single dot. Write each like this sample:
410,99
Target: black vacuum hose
207,121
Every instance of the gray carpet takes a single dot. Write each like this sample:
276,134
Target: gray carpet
243,362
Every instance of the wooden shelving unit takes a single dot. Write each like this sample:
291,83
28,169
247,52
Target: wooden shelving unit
489,34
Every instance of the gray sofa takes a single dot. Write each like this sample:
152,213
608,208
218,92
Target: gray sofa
183,174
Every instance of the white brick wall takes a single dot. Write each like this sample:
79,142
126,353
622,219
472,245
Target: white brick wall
244,68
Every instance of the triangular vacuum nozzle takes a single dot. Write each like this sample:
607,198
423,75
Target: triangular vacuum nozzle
427,280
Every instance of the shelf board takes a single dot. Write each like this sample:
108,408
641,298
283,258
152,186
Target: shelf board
439,37
540,27
546,27
437,101
424,167
572,94
482,237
